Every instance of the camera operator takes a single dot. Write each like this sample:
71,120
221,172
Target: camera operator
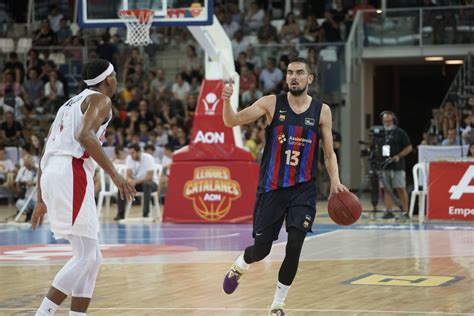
396,147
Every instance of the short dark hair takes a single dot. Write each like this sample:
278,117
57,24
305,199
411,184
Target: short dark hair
118,148
303,61
135,147
151,147
94,68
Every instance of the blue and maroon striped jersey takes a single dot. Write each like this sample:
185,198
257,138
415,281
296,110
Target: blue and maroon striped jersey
291,148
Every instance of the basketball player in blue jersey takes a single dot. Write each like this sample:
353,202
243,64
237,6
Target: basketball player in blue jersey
287,181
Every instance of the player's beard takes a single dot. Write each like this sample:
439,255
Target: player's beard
298,91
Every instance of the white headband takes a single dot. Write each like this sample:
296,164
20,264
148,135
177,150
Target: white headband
101,77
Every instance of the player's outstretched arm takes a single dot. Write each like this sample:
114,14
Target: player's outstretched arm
97,111
247,115
329,155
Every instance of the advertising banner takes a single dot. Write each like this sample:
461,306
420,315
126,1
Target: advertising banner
451,191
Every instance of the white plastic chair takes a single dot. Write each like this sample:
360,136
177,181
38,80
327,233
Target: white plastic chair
24,45
419,190
7,45
107,192
156,212
58,58
25,204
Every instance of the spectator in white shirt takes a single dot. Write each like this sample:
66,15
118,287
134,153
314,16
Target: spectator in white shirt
181,89
230,26
254,18
141,174
270,77
53,92
159,86
239,43
7,169
54,18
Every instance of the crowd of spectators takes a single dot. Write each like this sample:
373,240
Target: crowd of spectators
452,124
152,108
150,102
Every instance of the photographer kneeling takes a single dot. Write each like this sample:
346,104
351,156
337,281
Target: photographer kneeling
397,146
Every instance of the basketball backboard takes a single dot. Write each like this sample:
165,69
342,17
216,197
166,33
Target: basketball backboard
104,13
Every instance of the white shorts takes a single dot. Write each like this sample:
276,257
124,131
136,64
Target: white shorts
67,188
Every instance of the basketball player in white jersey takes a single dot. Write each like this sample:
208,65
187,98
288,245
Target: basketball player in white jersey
66,186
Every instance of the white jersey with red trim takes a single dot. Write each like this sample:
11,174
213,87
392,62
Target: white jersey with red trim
63,140
67,184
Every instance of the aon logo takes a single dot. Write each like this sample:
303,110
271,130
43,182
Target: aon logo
463,187
209,137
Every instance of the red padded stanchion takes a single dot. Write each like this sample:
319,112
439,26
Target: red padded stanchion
211,180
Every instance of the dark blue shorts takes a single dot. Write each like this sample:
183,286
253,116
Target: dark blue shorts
295,205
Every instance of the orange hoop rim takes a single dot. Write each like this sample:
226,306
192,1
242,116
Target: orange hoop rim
142,15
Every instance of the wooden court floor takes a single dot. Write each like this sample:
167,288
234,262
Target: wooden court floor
369,269
376,267
194,289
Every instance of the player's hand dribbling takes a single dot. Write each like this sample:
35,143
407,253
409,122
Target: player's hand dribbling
336,188
38,214
228,90
126,189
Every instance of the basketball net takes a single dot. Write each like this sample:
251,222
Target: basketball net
138,24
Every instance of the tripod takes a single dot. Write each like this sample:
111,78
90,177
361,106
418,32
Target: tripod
374,176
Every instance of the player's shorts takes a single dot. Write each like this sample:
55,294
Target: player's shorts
394,178
296,205
67,189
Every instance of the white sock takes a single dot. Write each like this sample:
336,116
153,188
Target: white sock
280,294
47,308
71,313
240,262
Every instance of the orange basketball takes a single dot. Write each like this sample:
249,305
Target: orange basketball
344,208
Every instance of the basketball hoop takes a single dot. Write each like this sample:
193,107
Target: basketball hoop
138,24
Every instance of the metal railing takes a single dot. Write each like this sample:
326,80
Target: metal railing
462,87
419,26
354,46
